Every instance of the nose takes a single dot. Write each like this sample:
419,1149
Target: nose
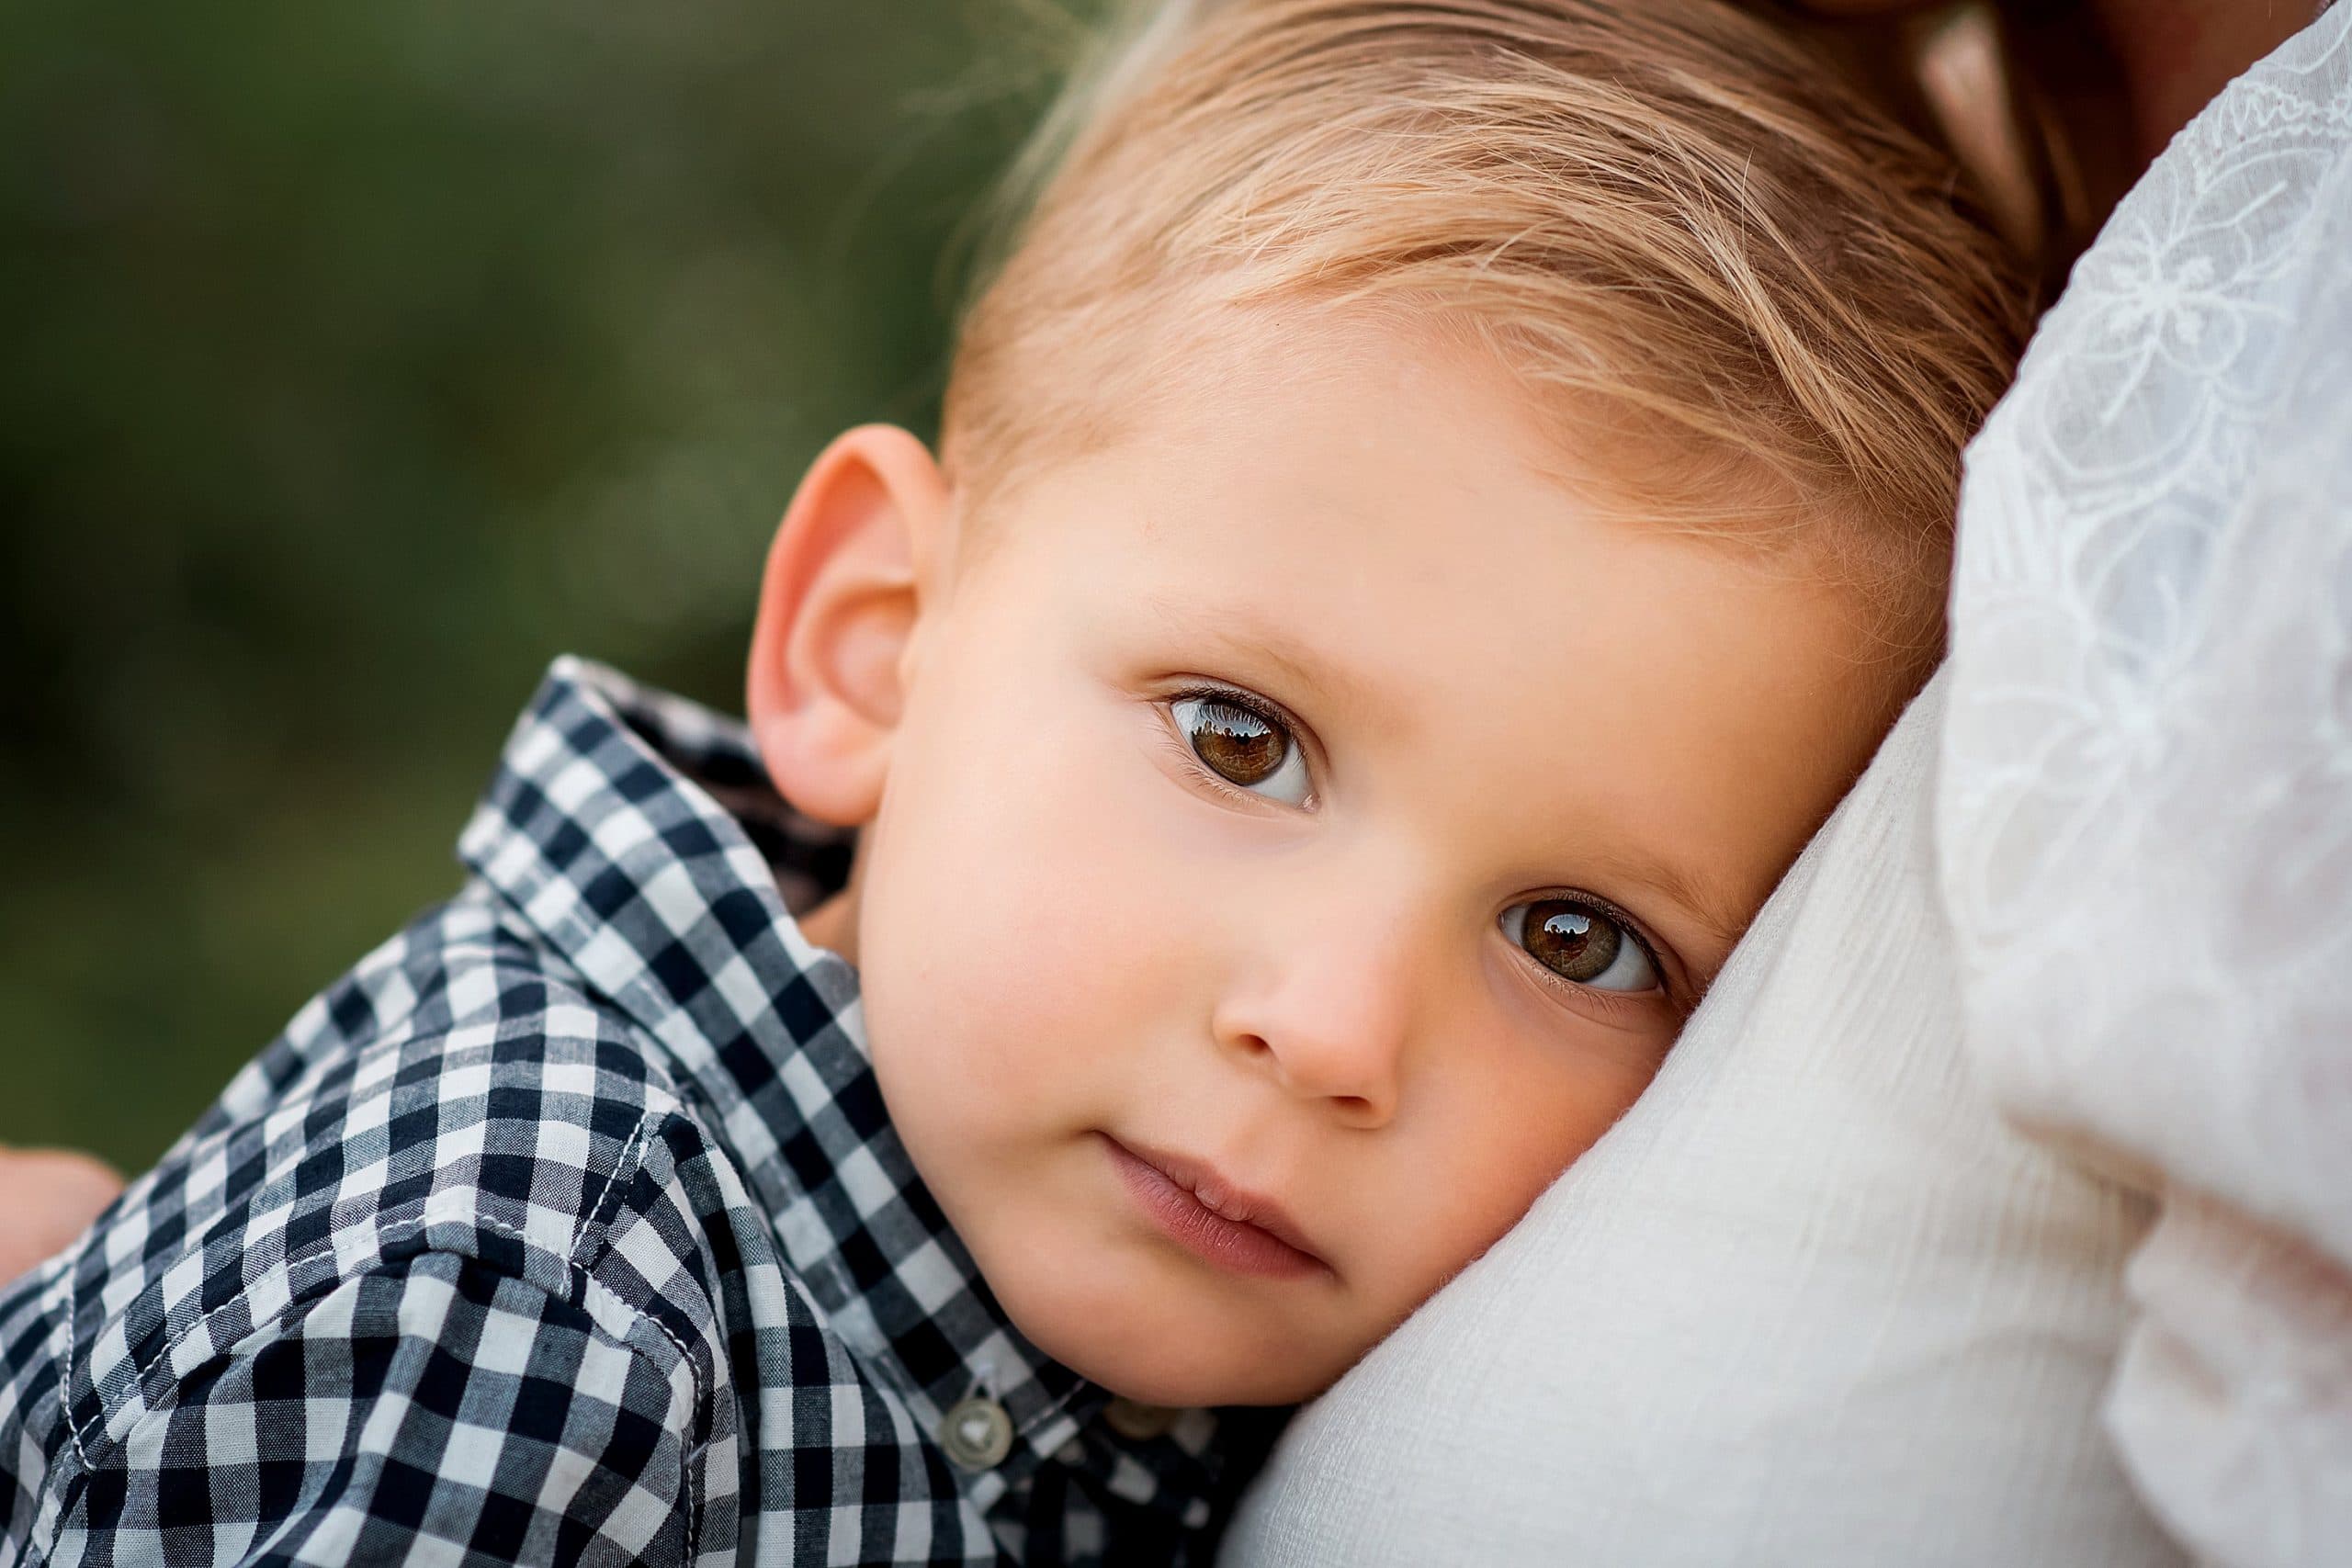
1327,1017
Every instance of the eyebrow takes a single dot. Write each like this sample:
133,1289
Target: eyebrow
1678,888
1256,639
1296,661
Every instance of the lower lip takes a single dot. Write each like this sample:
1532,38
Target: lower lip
1202,1232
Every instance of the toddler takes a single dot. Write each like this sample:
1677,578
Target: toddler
1436,506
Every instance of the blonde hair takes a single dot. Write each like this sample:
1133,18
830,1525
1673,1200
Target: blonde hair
1663,215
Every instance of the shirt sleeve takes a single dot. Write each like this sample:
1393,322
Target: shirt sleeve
436,1410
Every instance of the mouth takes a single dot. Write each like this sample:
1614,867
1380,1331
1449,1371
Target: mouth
1237,1230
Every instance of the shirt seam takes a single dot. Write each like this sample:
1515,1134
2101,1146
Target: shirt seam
393,1233
589,1284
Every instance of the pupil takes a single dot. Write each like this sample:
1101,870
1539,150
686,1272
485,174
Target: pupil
1571,939
1239,744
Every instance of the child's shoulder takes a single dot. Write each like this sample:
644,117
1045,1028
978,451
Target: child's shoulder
459,1113
464,1009
462,1057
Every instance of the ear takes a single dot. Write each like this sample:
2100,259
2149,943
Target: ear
838,609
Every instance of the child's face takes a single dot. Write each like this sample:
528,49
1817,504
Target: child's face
1316,935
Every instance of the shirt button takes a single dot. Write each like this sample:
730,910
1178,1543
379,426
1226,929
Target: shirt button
1133,1418
976,1432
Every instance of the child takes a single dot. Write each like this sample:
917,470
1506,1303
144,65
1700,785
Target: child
1437,506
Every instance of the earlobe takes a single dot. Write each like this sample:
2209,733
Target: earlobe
839,603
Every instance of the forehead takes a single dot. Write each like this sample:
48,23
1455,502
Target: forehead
1377,533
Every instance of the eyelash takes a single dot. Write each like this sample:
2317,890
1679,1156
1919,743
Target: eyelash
1249,702
1627,1004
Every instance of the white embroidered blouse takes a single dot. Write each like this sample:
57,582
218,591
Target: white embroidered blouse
2145,814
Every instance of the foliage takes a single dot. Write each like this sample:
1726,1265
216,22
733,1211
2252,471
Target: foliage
361,358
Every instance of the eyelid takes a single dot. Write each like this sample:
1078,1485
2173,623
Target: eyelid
1621,1007
1667,968
1301,734
1672,984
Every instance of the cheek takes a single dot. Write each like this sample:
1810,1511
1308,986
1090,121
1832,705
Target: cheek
1496,1140
1017,926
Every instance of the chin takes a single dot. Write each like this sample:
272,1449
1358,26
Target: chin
1170,1375
1144,1356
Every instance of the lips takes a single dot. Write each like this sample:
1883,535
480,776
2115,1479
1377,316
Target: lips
1235,1229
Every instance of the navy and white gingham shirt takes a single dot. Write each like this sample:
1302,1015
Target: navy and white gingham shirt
569,1226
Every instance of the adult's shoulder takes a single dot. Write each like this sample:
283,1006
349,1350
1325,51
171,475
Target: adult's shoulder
2149,720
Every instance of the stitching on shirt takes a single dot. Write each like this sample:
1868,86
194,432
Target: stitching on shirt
390,1235
402,1231
525,917
685,1474
620,1163
590,1285
65,1378
630,1160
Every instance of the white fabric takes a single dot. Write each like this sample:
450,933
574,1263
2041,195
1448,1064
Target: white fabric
2145,822
1811,1302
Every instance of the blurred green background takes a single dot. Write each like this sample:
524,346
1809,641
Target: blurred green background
360,358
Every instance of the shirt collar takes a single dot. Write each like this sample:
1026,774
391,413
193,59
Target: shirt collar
639,834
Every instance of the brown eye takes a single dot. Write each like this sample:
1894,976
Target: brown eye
1241,747
1579,941
1237,743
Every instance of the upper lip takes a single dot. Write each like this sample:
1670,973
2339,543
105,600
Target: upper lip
1229,1199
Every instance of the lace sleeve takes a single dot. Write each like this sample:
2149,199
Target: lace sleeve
2144,822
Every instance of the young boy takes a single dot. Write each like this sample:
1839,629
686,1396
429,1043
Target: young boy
1435,509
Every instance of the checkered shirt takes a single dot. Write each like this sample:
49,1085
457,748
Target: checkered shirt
569,1226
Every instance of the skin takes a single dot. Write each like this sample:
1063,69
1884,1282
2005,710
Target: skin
1066,927
876,488
47,1197
2171,56
2174,55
